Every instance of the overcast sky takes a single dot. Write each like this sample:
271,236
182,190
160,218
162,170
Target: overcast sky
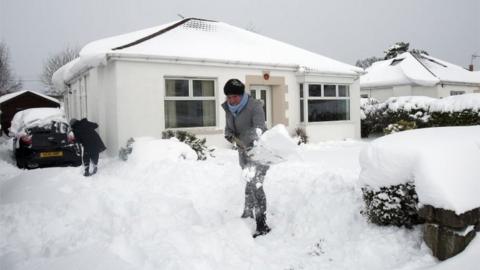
346,30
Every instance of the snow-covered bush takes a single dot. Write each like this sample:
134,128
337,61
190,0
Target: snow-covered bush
399,126
198,145
301,136
127,150
392,205
462,110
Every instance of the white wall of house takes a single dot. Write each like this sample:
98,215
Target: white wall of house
426,91
402,90
381,94
126,98
446,90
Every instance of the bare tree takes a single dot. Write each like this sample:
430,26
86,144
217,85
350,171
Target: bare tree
8,83
52,64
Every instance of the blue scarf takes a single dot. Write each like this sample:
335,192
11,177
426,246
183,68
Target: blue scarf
236,109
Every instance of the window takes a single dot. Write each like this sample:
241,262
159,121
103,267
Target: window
326,102
189,103
456,93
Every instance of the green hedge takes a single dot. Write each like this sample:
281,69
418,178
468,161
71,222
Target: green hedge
394,205
377,120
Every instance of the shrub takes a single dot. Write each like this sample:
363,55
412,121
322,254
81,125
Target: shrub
127,150
376,120
394,205
399,126
198,145
301,136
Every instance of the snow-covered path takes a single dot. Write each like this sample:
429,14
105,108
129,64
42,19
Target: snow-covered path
185,215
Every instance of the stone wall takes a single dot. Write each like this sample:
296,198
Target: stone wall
447,233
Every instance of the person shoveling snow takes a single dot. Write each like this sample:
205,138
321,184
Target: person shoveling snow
245,123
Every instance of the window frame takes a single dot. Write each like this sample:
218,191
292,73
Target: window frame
191,97
457,92
305,98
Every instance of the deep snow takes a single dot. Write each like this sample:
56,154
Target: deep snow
442,162
179,213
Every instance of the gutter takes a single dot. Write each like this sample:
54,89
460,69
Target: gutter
220,63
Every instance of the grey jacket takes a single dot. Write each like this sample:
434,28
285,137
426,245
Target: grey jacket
247,121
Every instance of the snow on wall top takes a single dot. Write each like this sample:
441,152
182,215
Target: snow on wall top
412,69
202,40
443,163
455,103
18,93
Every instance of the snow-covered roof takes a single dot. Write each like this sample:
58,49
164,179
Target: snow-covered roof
416,69
204,41
18,93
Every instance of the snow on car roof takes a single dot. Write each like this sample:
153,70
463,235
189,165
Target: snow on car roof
36,117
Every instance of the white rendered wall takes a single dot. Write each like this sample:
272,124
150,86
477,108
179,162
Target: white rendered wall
402,90
380,94
126,99
444,91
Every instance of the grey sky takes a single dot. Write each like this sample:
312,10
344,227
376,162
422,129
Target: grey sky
346,30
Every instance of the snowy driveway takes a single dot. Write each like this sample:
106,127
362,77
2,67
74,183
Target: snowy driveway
185,215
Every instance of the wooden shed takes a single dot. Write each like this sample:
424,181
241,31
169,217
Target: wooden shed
21,100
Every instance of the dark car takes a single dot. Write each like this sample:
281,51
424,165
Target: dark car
43,138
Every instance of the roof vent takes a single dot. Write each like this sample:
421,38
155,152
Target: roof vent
201,25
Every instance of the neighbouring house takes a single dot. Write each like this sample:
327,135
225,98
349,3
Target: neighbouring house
14,102
172,76
411,74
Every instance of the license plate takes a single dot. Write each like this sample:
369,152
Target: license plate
51,154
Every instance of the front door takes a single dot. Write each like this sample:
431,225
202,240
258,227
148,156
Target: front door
264,93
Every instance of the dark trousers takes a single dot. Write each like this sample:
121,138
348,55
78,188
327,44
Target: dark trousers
90,156
255,199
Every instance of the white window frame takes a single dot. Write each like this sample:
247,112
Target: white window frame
306,98
191,97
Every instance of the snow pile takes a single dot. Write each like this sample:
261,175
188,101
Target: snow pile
185,214
37,117
275,146
407,103
443,163
456,103
149,151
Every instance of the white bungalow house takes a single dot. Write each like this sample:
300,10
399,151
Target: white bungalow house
172,76
411,74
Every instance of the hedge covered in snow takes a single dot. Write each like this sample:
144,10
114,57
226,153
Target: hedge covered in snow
431,166
402,113
392,205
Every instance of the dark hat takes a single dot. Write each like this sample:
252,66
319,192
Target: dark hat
73,121
234,87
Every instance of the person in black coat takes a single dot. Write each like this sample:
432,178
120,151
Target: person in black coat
86,135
